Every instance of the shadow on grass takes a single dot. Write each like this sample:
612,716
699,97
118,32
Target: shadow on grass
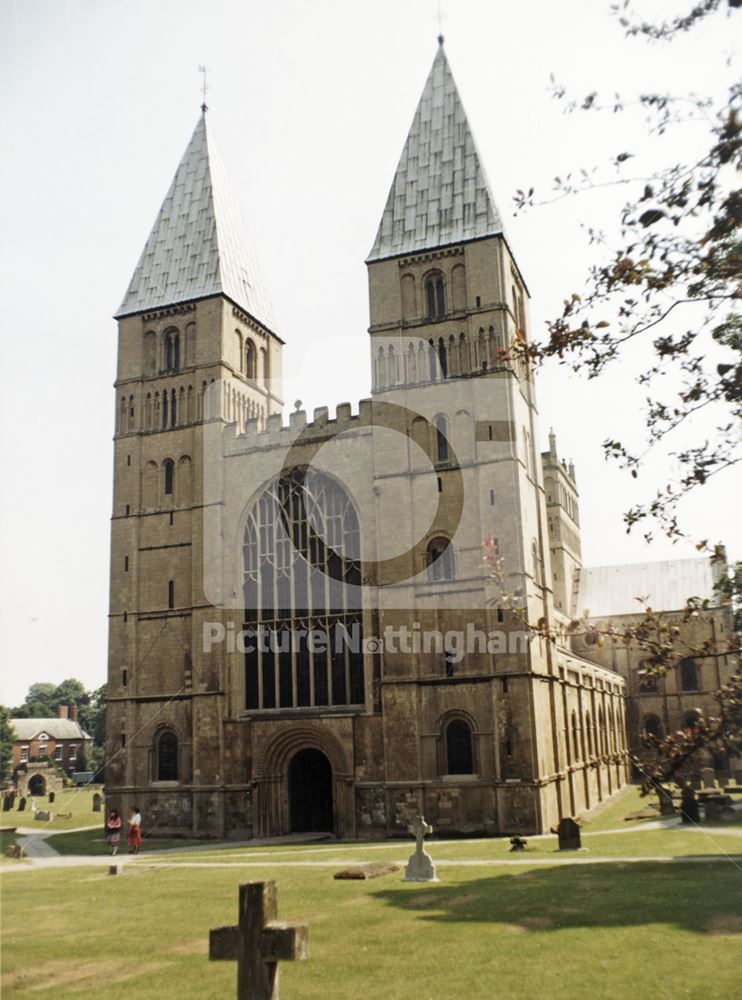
697,897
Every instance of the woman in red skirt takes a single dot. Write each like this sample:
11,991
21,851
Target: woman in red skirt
134,836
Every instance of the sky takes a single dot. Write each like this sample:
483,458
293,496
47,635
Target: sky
310,104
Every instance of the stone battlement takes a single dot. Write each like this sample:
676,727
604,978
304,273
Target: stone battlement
276,433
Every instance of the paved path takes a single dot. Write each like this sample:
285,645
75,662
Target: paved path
35,846
43,855
40,853
152,862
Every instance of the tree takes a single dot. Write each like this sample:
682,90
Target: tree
70,692
38,703
93,721
672,282
7,739
44,699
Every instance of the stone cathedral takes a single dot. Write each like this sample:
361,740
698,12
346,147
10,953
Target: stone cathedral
304,633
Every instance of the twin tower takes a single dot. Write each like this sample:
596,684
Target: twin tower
323,625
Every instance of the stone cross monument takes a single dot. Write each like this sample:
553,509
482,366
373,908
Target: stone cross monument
420,867
258,942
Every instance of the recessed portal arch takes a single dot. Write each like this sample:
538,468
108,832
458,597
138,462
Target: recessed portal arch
310,792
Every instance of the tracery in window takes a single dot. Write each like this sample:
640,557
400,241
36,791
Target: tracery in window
301,563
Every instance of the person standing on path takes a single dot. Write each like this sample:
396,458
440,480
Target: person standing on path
134,835
113,830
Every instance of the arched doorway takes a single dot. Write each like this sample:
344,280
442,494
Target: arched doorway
37,785
310,793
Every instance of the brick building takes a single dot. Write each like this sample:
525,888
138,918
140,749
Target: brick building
61,740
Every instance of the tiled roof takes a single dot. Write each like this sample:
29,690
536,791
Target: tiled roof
612,590
198,246
440,193
58,729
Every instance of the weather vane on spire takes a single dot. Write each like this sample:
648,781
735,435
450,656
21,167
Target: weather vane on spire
439,18
204,87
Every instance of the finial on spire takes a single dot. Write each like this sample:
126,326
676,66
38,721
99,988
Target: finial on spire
439,18
204,70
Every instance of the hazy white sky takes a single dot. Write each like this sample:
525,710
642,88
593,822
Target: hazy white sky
310,104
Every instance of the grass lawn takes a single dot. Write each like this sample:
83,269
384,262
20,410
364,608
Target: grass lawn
6,840
613,816
676,842
643,930
94,842
75,801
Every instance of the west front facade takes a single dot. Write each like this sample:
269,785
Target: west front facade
321,624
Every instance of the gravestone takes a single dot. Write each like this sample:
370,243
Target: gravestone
22,804
258,942
569,835
420,867
43,815
708,777
689,806
51,798
114,869
96,802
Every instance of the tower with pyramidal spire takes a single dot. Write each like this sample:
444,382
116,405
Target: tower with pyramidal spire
295,647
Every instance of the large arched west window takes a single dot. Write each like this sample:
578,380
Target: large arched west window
439,559
301,565
688,675
459,748
167,756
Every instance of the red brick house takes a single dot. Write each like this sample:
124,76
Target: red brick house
60,740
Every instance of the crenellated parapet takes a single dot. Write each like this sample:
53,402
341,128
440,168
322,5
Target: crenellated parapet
275,433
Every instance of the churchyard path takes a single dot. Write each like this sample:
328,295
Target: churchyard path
40,854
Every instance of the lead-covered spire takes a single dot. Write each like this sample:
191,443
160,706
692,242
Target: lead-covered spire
198,245
440,193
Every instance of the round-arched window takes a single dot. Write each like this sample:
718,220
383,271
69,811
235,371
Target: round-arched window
435,296
439,559
688,675
167,756
459,750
